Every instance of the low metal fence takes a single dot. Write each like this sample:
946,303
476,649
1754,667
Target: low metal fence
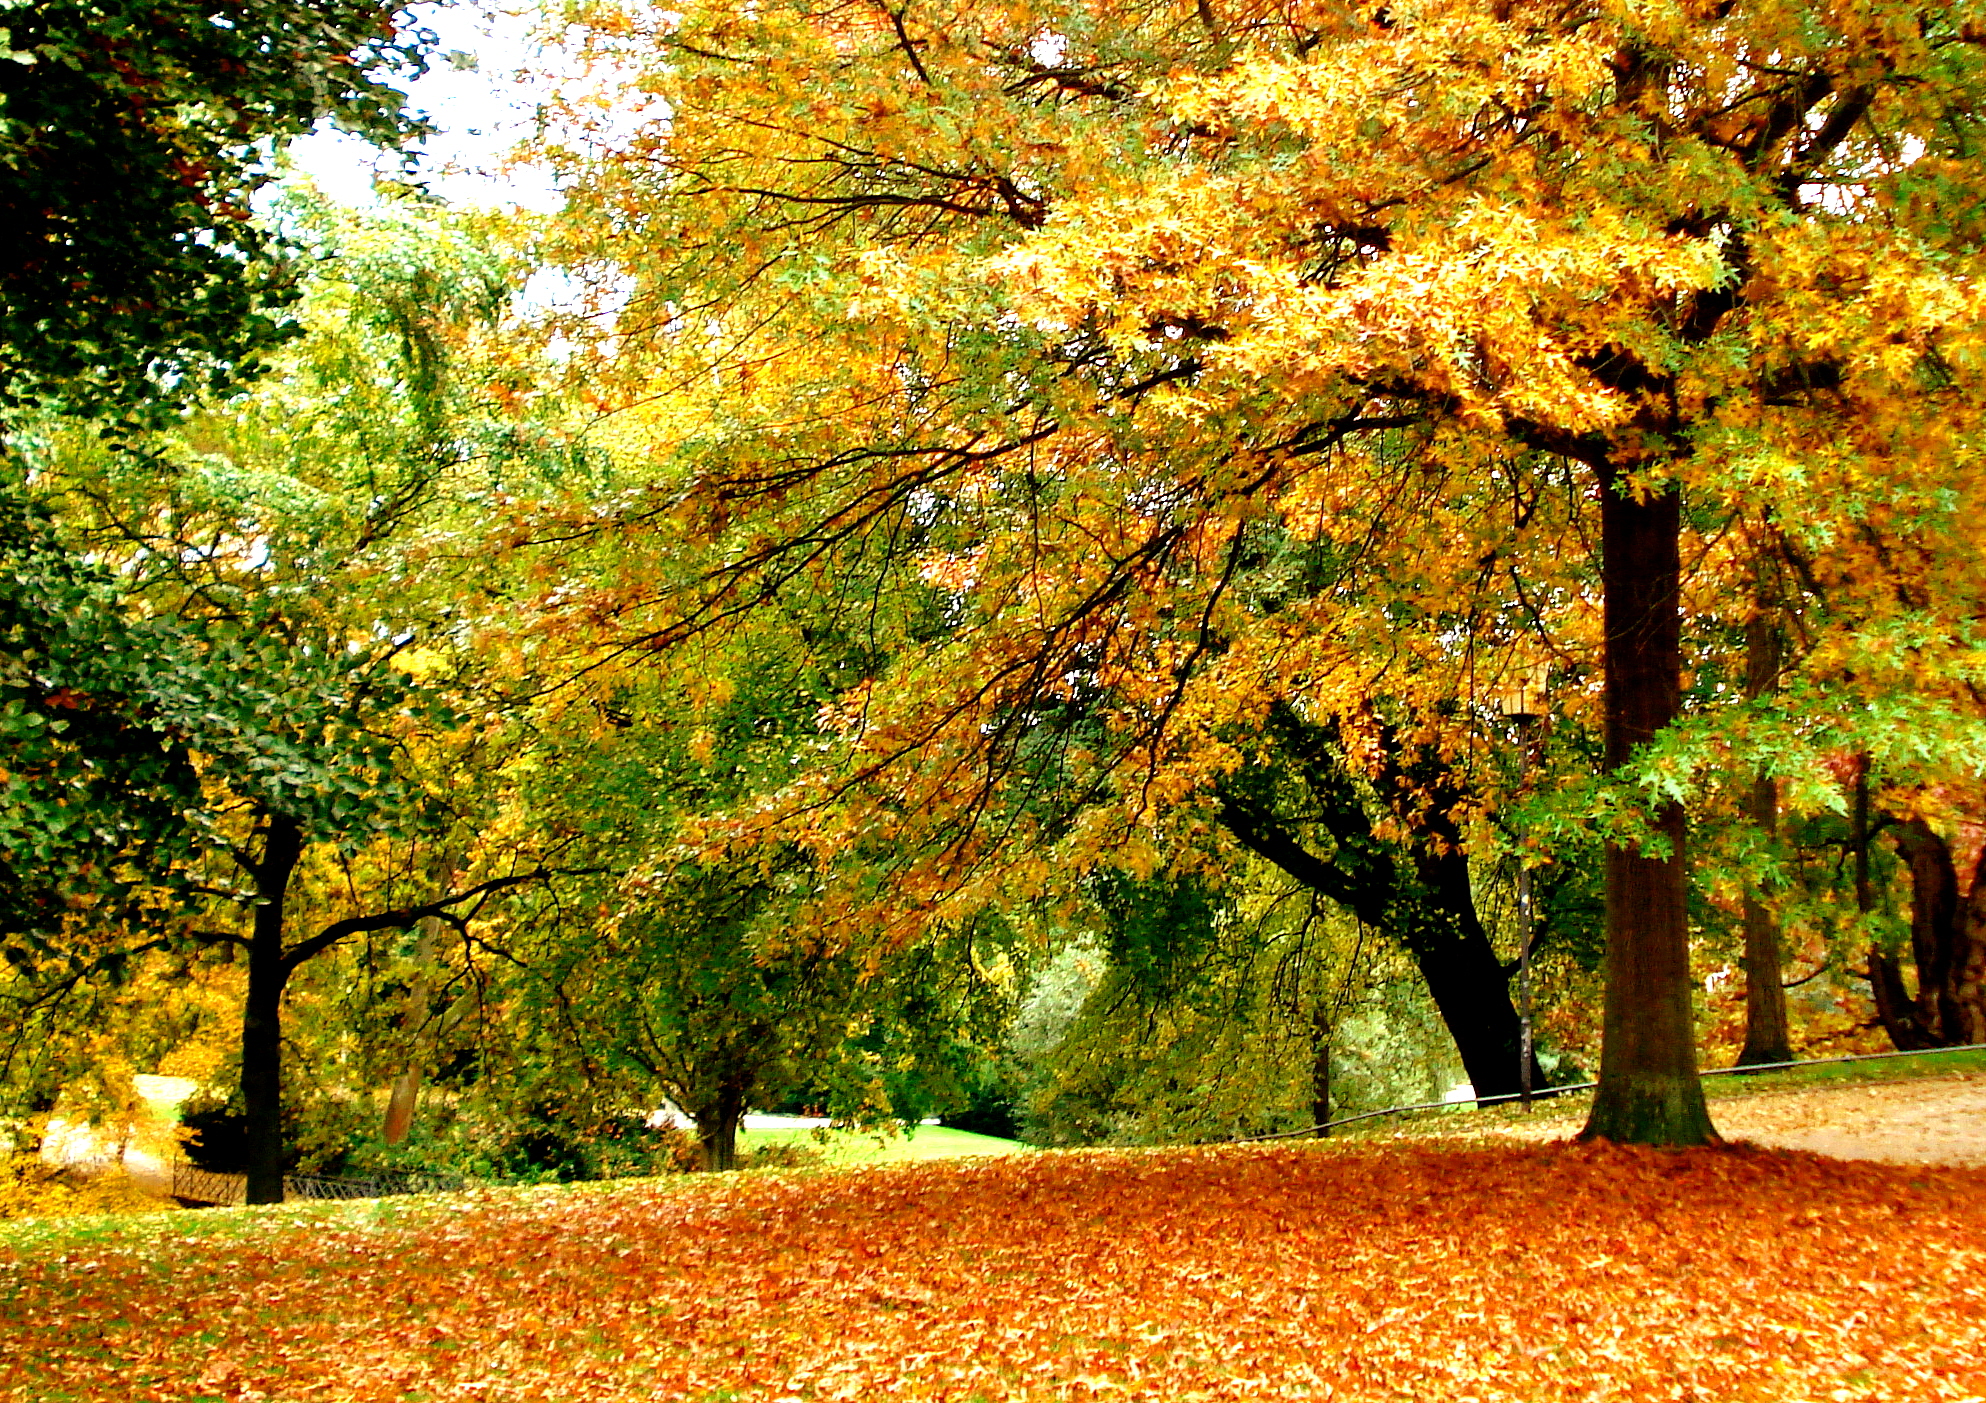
1546,1092
376,1186
192,1184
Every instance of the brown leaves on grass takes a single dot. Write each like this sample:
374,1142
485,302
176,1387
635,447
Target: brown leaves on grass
1244,1273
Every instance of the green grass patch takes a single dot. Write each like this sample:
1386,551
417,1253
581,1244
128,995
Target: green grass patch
854,1147
1915,1065
834,1149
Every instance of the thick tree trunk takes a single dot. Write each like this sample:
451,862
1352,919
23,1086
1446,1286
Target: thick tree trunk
1934,925
717,1128
1649,1093
1894,1006
1468,983
262,1012
1426,904
1969,964
1767,1037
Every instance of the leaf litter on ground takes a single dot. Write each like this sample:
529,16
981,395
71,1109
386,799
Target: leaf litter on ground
1237,1272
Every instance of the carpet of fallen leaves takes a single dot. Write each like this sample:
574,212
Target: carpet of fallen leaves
1393,1272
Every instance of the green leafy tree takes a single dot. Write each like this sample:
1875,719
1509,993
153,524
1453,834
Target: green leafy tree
272,541
133,273
689,972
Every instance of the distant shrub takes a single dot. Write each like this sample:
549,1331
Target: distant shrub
32,1189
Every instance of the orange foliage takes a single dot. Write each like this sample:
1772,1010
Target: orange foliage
1261,1272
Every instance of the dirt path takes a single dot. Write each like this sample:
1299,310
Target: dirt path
1923,1120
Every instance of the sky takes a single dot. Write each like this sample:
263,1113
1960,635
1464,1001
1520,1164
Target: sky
475,98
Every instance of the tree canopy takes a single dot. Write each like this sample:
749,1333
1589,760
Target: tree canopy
133,272
1215,489
1204,359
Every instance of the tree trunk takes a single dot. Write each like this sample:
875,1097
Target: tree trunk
1320,1071
1947,946
1969,963
717,1128
404,1096
1469,984
262,1012
1649,1093
401,1100
1934,910
1767,1038
1894,1007
1427,905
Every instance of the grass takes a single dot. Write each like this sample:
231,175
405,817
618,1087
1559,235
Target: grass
842,1148
837,1149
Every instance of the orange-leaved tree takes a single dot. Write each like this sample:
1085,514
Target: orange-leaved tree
1200,360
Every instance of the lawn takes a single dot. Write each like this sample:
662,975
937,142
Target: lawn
852,1147
1308,1270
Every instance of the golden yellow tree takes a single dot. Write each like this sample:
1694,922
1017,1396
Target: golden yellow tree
1200,359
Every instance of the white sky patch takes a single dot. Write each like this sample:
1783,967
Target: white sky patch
479,99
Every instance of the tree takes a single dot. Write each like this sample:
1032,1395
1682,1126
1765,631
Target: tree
1418,890
133,273
1079,312
1181,1012
683,970
1767,1038
301,671
133,279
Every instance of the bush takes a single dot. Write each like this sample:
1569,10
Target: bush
32,1189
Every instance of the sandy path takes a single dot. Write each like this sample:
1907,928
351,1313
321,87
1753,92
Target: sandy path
1912,1122
1925,1120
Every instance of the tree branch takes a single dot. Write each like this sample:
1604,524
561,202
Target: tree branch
405,917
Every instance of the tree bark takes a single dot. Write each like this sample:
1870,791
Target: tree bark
1320,1072
404,1096
262,1011
717,1127
1649,1093
1767,1037
1947,946
1469,984
1431,912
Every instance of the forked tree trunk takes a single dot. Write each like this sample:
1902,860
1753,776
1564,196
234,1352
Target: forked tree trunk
1767,1037
1947,947
1649,1093
262,1012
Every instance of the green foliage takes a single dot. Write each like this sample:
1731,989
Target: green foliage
1283,1008
133,275
97,775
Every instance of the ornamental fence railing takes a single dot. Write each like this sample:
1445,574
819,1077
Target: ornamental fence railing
195,1185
